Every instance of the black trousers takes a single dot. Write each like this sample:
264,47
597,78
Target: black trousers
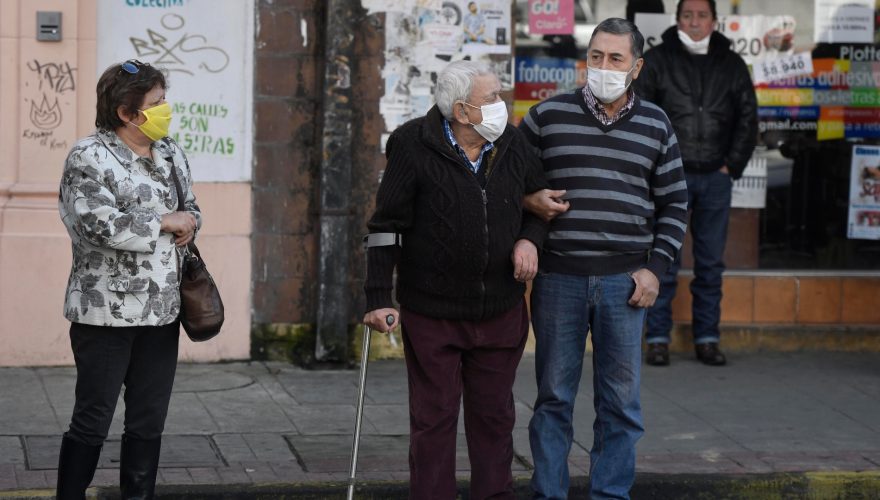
144,358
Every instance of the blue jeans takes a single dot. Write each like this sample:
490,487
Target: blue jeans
564,308
709,204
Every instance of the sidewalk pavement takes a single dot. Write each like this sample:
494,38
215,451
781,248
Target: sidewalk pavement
768,425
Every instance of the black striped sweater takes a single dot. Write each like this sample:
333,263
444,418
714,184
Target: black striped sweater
625,183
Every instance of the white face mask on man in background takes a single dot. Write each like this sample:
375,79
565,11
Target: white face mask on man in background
701,47
608,85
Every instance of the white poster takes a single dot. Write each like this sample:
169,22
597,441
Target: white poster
844,21
752,37
206,49
486,26
864,194
423,36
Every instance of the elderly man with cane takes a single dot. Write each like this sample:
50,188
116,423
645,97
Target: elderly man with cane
449,217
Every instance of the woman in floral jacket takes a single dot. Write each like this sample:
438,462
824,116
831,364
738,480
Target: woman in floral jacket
119,204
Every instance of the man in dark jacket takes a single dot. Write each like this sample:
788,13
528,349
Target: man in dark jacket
706,90
452,194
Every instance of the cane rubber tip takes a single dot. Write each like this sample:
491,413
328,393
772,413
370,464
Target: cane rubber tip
389,320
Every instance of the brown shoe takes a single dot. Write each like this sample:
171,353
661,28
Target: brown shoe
710,354
658,354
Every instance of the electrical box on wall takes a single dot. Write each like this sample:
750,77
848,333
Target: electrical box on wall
49,26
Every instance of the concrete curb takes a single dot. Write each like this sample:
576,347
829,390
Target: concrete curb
803,485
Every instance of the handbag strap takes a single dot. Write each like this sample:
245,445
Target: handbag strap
180,199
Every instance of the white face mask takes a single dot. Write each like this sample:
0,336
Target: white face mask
608,85
494,120
701,47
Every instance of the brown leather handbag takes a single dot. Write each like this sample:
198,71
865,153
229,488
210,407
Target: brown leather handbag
201,309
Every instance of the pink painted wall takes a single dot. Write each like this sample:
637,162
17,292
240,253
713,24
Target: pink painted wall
34,247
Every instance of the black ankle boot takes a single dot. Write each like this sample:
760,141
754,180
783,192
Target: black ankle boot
138,464
76,468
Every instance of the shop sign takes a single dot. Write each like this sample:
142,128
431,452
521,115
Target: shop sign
551,17
539,78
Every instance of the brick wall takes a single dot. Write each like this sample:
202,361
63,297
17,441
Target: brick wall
288,115
287,111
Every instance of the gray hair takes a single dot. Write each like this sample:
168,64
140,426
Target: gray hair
618,26
456,82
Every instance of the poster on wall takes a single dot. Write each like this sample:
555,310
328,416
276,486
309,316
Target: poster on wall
423,36
864,194
843,21
206,50
754,38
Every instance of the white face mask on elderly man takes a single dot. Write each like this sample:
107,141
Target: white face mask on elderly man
608,85
494,120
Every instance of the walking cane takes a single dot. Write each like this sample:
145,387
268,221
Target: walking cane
365,355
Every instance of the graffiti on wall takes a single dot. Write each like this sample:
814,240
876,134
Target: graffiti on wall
47,83
206,52
178,51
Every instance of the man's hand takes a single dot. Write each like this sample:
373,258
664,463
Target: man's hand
375,319
647,288
525,260
546,203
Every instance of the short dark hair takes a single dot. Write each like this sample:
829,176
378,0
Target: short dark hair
711,7
118,87
648,6
618,26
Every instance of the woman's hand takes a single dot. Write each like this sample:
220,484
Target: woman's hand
181,224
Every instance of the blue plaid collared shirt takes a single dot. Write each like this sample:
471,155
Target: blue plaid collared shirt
475,166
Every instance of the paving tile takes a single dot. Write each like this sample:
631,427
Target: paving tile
175,475
204,475
188,451
388,419
269,447
260,472
24,405
11,450
234,448
7,476
288,471
333,453
187,415
30,479
245,409
233,474
324,419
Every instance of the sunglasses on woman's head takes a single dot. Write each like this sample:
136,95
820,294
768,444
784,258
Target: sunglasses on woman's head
132,66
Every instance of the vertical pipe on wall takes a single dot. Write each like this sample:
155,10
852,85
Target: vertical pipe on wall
335,189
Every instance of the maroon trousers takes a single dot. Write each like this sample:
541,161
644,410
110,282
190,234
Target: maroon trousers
445,361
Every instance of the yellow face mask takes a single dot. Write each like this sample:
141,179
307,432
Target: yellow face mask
158,121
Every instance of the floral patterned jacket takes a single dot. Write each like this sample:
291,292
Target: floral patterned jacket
125,270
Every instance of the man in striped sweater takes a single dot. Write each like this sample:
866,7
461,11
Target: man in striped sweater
618,208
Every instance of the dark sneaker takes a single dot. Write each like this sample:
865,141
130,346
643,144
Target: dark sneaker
710,354
658,354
